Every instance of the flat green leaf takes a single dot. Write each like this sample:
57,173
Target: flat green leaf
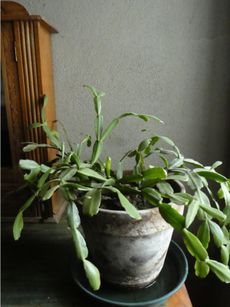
132,153
178,177
99,126
43,178
92,201
220,193
119,173
177,162
218,235
201,215
130,209
75,158
108,166
166,163
216,164
226,193
44,104
50,193
73,220
151,195
18,225
194,246
28,164
211,175
68,173
139,167
79,244
97,104
181,198
52,136
76,186
115,122
226,233
92,274
97,149
125,203
203,234
86,140
203,198
155,173
36,125
91,89
144,117
172,216
73,217
67,194
144,144
45,168
91,173
165,188
32,174
62,150
154,139
166,140
224,254
34,146
220,270
149,183
226,211
109,182
191,213
18,222
215,213
109,129
193,162
201,269
131,178
195,181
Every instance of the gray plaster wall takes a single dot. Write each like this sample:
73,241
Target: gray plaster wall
165,57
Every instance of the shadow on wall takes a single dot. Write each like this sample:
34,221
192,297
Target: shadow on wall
219,128
210,292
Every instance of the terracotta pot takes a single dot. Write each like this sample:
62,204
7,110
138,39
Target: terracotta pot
128,252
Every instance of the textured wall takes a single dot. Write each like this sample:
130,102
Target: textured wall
168,58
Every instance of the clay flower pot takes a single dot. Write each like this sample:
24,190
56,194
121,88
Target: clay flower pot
128,252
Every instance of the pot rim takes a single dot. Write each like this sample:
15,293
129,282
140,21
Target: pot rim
124,212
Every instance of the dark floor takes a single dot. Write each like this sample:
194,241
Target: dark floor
36,269
36,272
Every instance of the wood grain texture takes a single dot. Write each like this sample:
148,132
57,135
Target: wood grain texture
11,91
11,10
27,76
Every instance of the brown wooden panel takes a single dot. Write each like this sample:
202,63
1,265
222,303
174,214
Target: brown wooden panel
45,75
11,90
42,153
29,85
46,87
27,76
11,10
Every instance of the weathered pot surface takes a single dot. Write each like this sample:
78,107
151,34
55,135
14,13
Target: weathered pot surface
128,252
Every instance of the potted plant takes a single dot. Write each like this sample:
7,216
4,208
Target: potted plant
124,212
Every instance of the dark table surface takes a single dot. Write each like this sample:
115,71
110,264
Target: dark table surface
36,269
